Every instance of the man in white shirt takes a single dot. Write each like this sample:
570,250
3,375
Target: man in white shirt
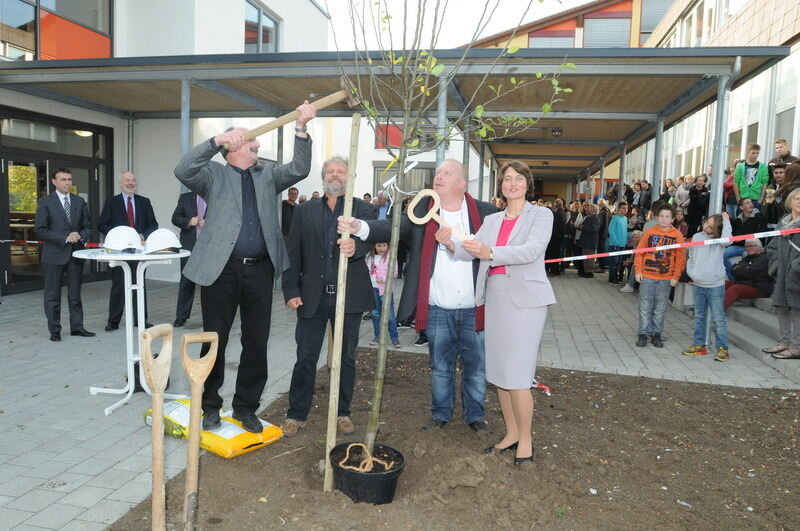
442,292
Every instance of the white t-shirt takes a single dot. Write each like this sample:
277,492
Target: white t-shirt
452,286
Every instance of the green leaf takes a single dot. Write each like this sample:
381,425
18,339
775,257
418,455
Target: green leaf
438,69
513,81
567,90
481,132
513,49
554,81
415,142
538,75
570,66
546,107
478,111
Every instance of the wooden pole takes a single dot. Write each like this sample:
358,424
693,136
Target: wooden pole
197,371
341,292
156,372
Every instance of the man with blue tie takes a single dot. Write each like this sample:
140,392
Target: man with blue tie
133,210
63,222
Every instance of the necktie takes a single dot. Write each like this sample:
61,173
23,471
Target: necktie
67,210
131,220
201,213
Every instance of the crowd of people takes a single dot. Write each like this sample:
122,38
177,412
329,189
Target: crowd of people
481,300
757,198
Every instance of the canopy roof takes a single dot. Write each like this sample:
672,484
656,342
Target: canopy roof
617,94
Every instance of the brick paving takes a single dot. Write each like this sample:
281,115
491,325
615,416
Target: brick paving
65,465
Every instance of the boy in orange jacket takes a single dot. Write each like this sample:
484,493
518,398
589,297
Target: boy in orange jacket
657,272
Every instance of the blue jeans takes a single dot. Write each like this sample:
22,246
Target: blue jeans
713,299
729,252
376,318
732,210
451,333
653,302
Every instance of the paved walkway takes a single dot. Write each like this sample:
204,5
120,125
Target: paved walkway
65,465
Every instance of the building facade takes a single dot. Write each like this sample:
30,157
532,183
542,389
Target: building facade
39,134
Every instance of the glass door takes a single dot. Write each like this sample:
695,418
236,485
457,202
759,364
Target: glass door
25,183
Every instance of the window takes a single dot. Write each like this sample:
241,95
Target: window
784,125
734,146
17,30
752,135
260,30
729,8
416,179
551,42
652,13
687,163
606,32
93,14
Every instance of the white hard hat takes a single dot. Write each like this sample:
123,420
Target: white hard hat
161,239
123,238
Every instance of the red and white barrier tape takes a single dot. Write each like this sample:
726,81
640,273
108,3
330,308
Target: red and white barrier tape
40,243
739,238
768,234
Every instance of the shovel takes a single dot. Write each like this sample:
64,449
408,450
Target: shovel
156,372
347,94
197,371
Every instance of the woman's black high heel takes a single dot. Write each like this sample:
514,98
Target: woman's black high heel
494,450
519,460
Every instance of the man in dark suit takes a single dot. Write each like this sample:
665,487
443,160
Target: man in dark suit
309,286
189,216
287,210
440,292
237,254
133,210
63,222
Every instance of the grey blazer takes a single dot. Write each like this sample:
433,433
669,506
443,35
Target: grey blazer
523,257
221,187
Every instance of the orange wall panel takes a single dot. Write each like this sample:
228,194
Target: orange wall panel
62,39
563,25
626,5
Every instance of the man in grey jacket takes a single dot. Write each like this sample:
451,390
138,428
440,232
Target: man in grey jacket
237,253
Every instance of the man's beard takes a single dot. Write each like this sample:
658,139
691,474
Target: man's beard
333,187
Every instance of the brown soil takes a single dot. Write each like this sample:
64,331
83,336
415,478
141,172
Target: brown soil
612,452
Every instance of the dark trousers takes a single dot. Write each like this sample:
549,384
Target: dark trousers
185,296
309,334
53,275
248,288
116,300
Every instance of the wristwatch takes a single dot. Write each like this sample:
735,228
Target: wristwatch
491,254
303,129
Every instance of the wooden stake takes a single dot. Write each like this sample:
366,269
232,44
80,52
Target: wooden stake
197,371
156,373
341,292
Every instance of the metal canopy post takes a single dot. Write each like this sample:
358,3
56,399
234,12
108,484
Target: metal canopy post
724,85
186,120
186,95
658,148
441,119
622,154
130,144
602,194
481,163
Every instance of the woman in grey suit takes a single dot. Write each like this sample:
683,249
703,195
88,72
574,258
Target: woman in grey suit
513,285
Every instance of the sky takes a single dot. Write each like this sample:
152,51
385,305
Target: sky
460,21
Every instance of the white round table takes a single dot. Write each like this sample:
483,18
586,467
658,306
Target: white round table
118,259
